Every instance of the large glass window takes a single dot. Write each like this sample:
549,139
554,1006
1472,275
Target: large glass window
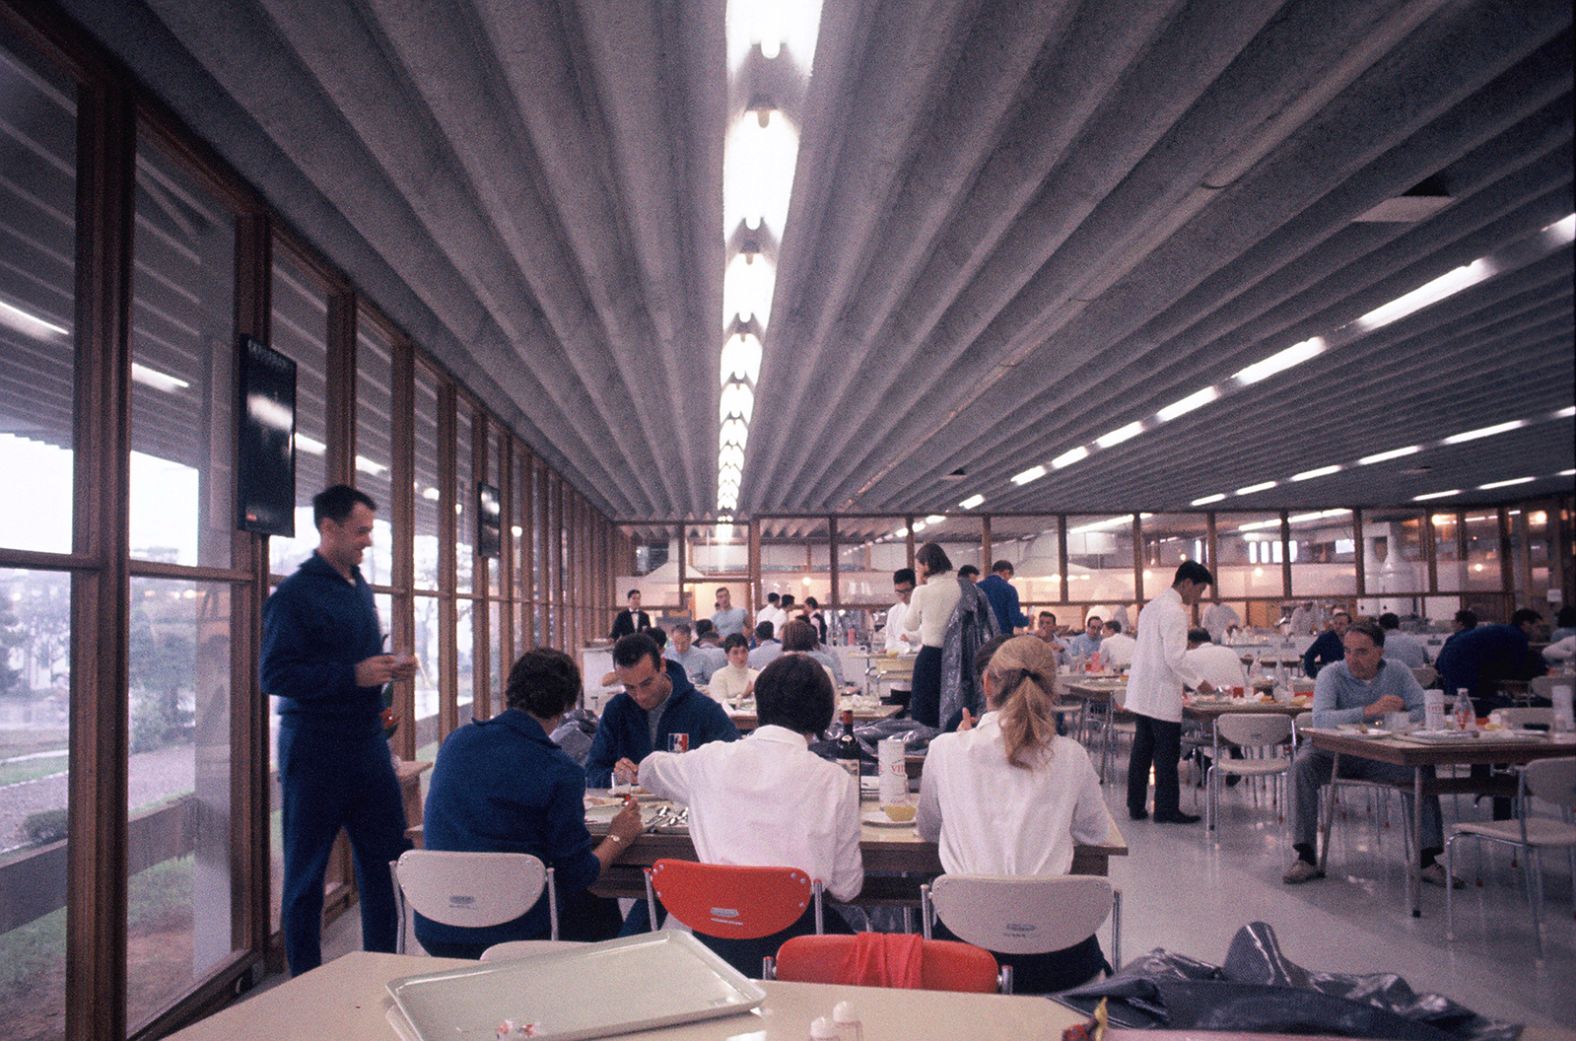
1393,555
1483,551
375,442
1100,560
717,549
179,858
182,506
867,554
300,332
1169,539
1251,553
428,619
959,537
37,302
796,558
1323,553
655,555
464,501
1033,545
35,699
427,485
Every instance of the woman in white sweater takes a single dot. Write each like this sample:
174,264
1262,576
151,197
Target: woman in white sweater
929,609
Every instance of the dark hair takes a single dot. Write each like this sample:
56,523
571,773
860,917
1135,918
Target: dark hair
811,601
799,635
904,574
1003,565
702,626
1193,571
1340,612
1113,625
1525,615
1389,620
544,682
795,692
968,571
658,636
1198,636
682,627
1566,616
1093,618
1369,628
787,600
628,651
632,592
1048,614
772,598
934,558
983,656
1467,618
764,630
736,640
336,503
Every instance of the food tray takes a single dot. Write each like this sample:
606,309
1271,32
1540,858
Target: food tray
1457,737
662,978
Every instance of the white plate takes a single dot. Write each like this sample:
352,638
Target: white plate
601,814
877,819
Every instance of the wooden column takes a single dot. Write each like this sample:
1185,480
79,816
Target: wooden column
340,425
481,610
402,572
448,577
1357,542
1285,537
1061,554
1138,563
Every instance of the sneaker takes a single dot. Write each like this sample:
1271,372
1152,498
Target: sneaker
1301,871
1434,875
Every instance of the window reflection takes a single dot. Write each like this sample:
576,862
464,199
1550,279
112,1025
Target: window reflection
300,331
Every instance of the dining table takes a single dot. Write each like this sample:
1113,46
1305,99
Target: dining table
865,710
1423,752
348,999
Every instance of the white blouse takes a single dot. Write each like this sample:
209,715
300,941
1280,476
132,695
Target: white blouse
930,608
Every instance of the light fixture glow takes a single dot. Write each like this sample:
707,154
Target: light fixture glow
309,445
1436,495
900,533
1069,457
971,502
1505,484
154,378
1033,473
1207,499
737,400
1120,434
367,466
1262,486
31,324
741,358
431,494
1566,473
920,526
1566,413
1473,435
934,518
747,288
1196,400
1448,284
1321,471
1394,453
1280,361
1562,231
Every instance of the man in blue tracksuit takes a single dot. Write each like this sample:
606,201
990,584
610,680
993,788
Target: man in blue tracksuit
322,654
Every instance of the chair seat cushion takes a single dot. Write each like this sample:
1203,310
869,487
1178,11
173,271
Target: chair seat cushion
1254,767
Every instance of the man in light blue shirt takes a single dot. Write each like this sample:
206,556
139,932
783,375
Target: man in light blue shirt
699,662
1361,688
1088,641
1401,647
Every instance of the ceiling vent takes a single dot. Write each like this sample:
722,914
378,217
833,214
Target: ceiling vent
956,475
1417,203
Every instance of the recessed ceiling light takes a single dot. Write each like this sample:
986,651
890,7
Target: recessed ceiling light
1566,413
1431,292
1473,435
1436,495
1033,473
1322,471
1280,361
1206,500
971,502
934,518
1070,457
1394,453
1197,399
1262,486
1120,434
1505,484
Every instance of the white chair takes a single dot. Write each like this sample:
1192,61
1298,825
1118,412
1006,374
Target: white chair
1553,780
1023,915
1268,751
471,890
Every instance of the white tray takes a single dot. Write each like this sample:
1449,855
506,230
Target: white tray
584,991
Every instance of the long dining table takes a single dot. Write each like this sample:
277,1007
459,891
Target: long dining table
1419,754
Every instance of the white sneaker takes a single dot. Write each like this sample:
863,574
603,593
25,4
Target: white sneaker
1434,875
1301,871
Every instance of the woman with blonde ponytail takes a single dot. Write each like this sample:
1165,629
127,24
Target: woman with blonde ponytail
1010,797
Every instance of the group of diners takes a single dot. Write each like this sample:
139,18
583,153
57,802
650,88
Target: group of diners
501,785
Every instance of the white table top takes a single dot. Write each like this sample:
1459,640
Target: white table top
346,1000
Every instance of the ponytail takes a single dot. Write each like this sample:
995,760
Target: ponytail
1023,670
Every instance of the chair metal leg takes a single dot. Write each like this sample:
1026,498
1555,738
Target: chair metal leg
925,910
1116,929
399,907
651,902
1450,873
820,919
1533,876
552,905
1004,979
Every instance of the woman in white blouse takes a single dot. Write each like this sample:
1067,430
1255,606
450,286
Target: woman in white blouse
929,608
735,679
1010,797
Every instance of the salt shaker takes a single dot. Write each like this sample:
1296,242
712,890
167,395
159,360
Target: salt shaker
846,1018
822,1029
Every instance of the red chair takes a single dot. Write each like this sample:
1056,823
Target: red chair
729,902
886,960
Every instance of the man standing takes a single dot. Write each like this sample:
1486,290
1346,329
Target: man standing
1154,696
1003,597
322,655
1328,648
1362,687
1219,617
631,619
1402,647
897,639
655,704
728,619
772,613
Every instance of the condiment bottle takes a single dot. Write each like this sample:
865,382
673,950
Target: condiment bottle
822,1029
846,1017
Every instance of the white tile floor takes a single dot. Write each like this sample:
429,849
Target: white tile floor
1185,894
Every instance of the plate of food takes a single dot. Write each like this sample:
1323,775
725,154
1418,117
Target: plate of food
887,816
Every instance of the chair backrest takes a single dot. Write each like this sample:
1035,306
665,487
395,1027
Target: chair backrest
738,903
1520,717
1425,675
470,889
1303,721
1022,915
1253,729
945,964
1543,686
1553,780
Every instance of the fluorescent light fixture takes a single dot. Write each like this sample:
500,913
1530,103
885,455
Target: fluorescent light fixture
1436,495
157,380
1322,471
1070,457
1207,499
1280,361
1033,473
367,466
741,358
1448,284
971,502
731,456
1262,486
934,518
431,494
1197,399
1566,413
1120,434
734,431
31,324
1316,515
1473,435
737,400
310,445
1273,522
900,533
1384,457
1562,231
1505,484
1101,525
516,530
920,526
747,288
1566,473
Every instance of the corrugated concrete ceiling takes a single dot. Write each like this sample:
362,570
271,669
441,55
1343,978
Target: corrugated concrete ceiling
1015,227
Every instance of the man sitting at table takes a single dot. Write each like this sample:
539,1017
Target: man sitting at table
1116,647
1399,646
699,662
799,638
736,679
768,800
1220,665
1361,688
657,701
767,646
1480,659
1087,642
500,786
